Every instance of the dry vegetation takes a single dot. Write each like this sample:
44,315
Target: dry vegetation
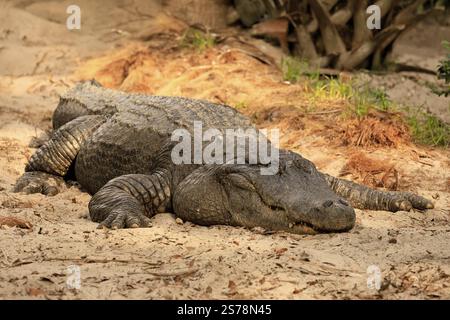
326,120
222,74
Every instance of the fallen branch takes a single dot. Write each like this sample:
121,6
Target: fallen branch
334,45
339,18
361,33
351,60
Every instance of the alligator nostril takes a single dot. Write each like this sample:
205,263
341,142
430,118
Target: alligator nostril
345,203
327,203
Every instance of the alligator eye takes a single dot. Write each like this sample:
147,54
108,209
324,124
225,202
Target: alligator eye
240,181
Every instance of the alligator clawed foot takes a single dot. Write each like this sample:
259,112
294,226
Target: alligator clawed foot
39,182
120,220
402,205
405,201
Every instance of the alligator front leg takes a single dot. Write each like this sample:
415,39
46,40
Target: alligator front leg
363,197
129,201
52,161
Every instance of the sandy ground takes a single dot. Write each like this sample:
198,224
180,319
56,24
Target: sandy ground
39,59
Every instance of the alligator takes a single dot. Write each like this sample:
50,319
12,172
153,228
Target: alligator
117,146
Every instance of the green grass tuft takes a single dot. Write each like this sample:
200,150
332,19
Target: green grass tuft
361,99
444,72
293,69
197,39
425,128
241,105
428,129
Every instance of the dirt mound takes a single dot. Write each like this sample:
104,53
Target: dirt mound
173,260
376,131
221,75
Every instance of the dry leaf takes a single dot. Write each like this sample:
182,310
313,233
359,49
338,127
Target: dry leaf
15,222
35,292
280,251
231,285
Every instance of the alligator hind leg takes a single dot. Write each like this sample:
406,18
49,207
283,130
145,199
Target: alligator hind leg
52,161
363,197
129,201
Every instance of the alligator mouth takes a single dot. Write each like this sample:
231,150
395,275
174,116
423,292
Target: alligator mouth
304,228
308,228
300,227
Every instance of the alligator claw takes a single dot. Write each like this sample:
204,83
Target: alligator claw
121,220
403,205
419,202
407,201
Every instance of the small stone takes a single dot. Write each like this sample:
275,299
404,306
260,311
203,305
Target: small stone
392,240
258,230
179,221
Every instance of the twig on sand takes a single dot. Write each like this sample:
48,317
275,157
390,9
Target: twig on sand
425,163
175,273
323,112
101,260
5,258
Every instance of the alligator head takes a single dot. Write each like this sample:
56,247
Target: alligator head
297,199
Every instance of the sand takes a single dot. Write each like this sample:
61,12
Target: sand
40,59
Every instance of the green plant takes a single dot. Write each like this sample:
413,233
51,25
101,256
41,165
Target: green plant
380,99
365,98
425,128
194,38
331,88
444,71
360,105
293,68
241,105
361,99
428,129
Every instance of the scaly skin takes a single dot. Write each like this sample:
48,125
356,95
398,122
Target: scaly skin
120,148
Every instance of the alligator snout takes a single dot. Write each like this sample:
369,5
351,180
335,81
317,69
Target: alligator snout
333,216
